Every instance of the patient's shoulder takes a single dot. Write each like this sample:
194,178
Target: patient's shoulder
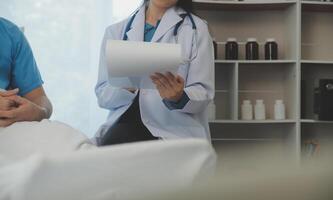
9,28
6,23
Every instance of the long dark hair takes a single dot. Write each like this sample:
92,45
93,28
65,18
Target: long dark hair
186,5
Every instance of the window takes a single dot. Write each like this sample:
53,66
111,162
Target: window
66,37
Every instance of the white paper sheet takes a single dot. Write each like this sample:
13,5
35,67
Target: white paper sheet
135,59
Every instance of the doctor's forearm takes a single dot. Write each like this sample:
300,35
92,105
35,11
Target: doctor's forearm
199,98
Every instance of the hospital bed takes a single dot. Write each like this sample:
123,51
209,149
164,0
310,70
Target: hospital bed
70,168
50,160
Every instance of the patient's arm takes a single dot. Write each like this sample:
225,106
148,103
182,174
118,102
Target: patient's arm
39,97
34,106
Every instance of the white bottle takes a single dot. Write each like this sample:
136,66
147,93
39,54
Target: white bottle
260,110
211,111
279,110
247,110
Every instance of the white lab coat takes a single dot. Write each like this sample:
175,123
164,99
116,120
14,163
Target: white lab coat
198,73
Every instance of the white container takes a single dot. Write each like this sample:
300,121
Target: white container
247,110
211,111
279,110
260,110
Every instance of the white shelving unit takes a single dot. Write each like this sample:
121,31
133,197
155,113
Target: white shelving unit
316,63
303,30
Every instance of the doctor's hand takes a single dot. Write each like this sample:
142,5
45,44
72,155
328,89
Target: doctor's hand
5,103
25,110
169,86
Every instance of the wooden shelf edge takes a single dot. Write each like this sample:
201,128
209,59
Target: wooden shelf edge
288,121
317,6
234,5
326,62
315,3
246,139
260,2
313,121
218,61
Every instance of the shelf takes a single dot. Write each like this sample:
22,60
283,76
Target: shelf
317,130
245,139
287,121
321,134
255,61
316,6
260,91
268,129
222,91
234,5
310,75
269,83
267,61
312,121
236,133
278,24
225,91
225,61
316,35
303,31
322,62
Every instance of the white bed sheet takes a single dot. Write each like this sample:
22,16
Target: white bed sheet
47,137
47,165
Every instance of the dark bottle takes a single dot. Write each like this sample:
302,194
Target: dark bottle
271,49
231,49
252,49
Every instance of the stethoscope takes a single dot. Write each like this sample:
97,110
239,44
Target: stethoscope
175,31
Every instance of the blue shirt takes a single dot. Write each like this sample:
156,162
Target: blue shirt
18,67
148,36
150,31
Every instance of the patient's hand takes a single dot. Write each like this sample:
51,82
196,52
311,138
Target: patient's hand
5,103
25,111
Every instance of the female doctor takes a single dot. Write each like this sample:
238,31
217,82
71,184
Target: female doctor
177,108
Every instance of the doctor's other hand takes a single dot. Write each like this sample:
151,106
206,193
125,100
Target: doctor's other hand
25,110
169,86
5,103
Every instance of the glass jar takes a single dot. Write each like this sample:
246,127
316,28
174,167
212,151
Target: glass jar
271,49
231,49
252,49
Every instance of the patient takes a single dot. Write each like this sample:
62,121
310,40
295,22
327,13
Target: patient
22,97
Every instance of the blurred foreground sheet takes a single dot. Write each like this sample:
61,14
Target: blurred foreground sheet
53,161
